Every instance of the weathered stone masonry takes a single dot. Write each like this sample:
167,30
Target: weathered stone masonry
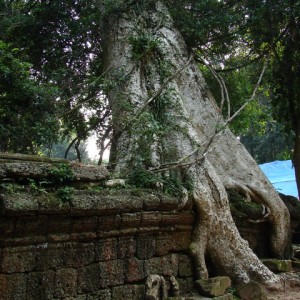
99,245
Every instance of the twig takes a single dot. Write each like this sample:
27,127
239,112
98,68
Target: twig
224,91
252,96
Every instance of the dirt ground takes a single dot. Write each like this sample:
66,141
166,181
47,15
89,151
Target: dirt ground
289,294
292,287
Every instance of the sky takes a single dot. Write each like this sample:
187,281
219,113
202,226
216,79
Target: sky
93,151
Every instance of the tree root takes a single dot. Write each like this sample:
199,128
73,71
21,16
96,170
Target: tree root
216,235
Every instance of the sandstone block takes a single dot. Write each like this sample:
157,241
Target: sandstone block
6,227
84,224
18,204
18,259
88,279
102,294
50,204
169,203
31,225
83,237
151,218
65,283
40,285
12,286
78,254
145,246
252,290
185,268
151,201
49,256
126,292
126,247
131,220
165,266
277,265
186,285
174,241
106,249
213,287
106,223
111,273
59,224
134,270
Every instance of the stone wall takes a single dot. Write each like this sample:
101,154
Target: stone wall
99,245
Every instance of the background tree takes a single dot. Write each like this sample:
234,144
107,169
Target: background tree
28,119
60,40
265,138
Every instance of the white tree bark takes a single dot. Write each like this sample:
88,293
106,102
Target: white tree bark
191,116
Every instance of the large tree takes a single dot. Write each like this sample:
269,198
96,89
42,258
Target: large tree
166,122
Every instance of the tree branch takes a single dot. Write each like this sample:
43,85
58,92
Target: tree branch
208,142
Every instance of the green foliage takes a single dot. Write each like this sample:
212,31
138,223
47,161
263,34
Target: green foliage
9,188
238,36
143,45
60,41
26,113
36,186
65,194
172,184
270,142
61,173
264,138
113,7
141,178
208,24
51,68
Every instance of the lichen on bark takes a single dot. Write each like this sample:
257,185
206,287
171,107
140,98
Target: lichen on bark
167,129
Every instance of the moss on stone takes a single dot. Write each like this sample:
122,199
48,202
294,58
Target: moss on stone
243,209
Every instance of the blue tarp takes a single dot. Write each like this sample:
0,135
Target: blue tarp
282,176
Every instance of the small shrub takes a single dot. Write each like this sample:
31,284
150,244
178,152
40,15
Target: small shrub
61,173
8,188
141,178
65,194
36,187
143,45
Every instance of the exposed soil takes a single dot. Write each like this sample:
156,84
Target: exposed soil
289,294
292,289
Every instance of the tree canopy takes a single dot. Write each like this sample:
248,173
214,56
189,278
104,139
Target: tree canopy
59,43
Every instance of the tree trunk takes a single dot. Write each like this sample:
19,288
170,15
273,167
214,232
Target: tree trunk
163,119
296,157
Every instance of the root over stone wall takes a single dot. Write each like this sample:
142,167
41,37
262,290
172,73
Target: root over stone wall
100,243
